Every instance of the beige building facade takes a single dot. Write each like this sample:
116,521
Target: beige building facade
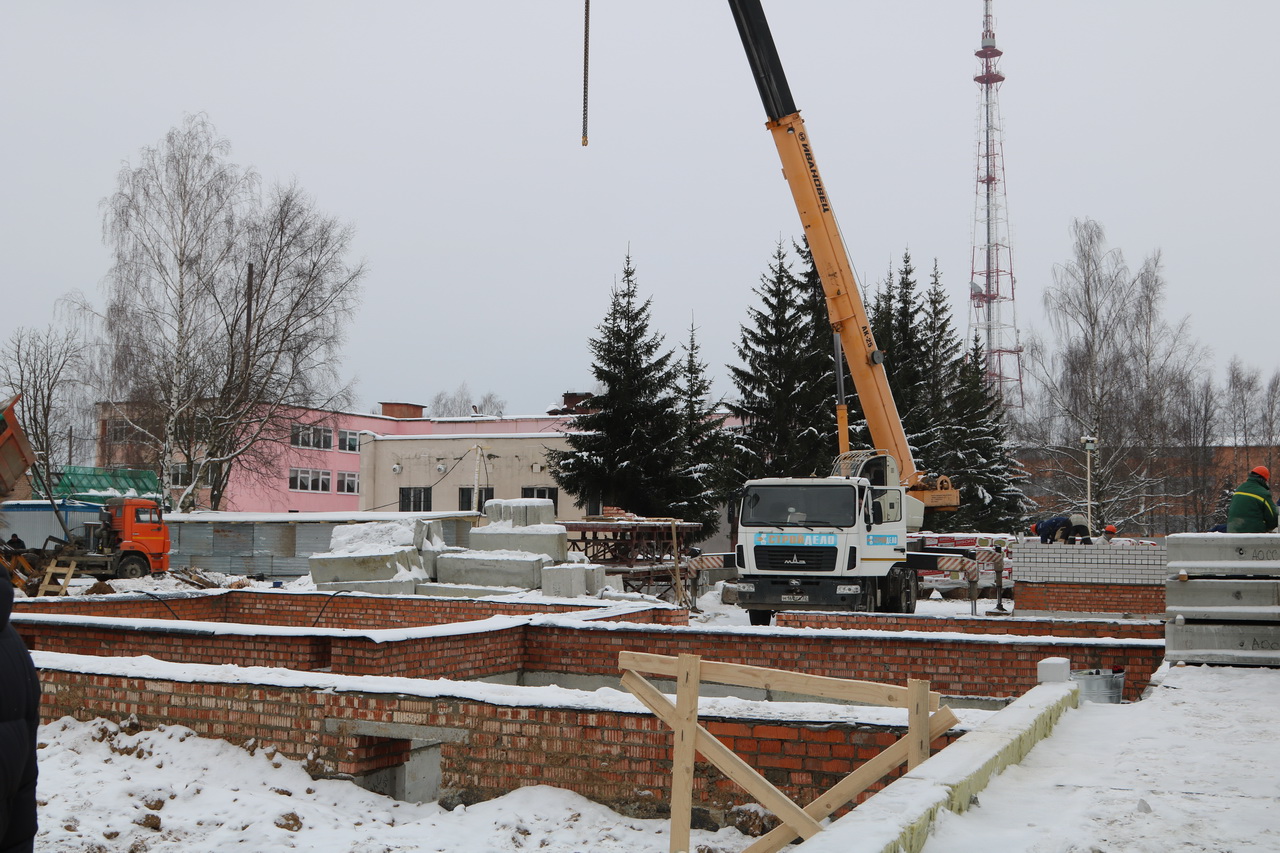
434,473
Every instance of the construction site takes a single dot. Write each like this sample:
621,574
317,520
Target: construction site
838,678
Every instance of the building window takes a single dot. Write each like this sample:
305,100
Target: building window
349,440
464,497
549,492
303,435
415,499
308,480
595,506
348,483
120,431
181,474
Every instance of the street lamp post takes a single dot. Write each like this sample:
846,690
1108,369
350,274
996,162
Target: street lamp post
1090,444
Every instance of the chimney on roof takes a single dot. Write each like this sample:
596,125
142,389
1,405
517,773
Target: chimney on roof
401,410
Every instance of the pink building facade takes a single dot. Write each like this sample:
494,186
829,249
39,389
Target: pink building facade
320,469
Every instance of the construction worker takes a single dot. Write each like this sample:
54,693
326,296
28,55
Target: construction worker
1252,509
1108,533
1079,531
1052,529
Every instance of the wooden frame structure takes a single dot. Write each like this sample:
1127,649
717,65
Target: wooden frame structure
925,722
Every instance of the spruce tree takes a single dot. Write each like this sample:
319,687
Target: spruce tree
626,451
976,455
778,383
704,471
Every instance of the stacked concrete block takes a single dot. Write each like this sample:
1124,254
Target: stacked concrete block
564,581
506,569
550,539
331,568
521,512
1222,599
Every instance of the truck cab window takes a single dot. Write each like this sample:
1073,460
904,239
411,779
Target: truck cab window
888,505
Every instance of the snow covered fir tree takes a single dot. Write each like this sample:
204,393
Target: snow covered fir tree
787,393
649,443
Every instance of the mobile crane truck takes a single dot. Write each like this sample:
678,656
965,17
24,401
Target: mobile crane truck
837,542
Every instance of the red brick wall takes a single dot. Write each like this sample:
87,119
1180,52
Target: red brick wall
301,652
977,666
955,667
364,612
619,759
1023,627
1089,598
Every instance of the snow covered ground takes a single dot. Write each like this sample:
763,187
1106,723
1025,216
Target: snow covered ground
1192,768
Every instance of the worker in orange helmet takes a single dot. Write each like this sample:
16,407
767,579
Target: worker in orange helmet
1108,533
1252,509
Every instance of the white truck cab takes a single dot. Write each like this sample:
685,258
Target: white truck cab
826,543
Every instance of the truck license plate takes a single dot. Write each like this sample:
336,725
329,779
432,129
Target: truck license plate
787,597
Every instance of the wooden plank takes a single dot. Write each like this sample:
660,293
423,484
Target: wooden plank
728,762
848,788
742,675
917,722
684,753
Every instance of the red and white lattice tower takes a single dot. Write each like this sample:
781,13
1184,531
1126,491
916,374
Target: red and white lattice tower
991,317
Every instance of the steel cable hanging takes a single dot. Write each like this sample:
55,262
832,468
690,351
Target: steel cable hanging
586,63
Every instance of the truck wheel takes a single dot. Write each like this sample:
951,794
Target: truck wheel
760,617
132,567
902,588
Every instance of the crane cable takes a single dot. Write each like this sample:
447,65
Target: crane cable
586,56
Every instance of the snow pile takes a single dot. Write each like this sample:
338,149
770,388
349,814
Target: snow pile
375,537
168,791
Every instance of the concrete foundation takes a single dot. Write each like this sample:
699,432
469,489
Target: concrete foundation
473,567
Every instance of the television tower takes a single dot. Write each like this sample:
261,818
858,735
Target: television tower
991,281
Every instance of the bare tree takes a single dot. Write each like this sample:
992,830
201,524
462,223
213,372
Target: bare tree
225,310
1115,371
45,366
460,403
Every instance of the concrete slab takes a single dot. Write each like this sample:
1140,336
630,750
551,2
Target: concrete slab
564,581
331,568
401,587
555,544
439,590
473,567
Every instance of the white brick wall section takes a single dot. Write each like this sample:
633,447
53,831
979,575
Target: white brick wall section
1098,563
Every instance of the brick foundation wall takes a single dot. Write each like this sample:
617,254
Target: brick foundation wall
974,665
322,610
1025,627
1089,598
1090,578
995,666
620,759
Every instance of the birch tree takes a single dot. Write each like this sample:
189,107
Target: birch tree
45,366
225,310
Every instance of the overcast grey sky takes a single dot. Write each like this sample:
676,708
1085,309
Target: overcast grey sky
448,134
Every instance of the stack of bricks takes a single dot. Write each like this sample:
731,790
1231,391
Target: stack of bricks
1094,579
